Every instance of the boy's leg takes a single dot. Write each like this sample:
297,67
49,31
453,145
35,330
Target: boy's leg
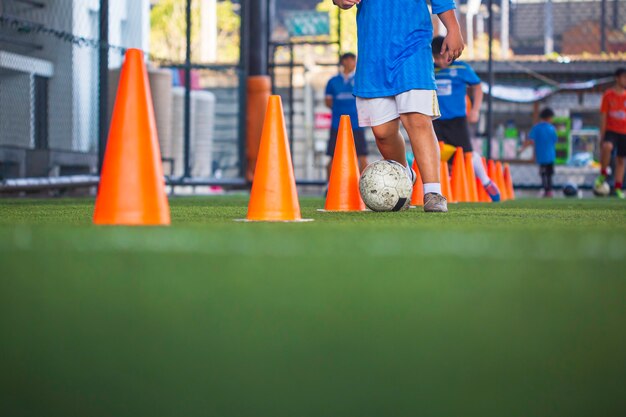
424,144
620,167
606,149
390,141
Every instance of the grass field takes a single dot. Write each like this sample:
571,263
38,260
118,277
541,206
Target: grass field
516,309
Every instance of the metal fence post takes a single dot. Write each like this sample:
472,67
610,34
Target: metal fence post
187,111
490,80
103,81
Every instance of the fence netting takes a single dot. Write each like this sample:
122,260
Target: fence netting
558,53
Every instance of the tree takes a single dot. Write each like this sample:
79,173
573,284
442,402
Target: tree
168,27
348,24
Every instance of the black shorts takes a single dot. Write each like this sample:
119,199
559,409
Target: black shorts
618,140
359,142
546,169
454,132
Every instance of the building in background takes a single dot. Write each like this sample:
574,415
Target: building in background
49,80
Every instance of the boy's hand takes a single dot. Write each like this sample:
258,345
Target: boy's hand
346,4
474,115
452,45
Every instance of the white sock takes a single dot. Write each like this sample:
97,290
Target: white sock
432,187
479,169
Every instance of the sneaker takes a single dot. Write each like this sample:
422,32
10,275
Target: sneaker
548,194
435,203
599,181
619,193
493,191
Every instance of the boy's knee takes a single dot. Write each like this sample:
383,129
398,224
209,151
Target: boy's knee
385,133
417,121
608,146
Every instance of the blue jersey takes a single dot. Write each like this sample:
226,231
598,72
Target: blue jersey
544,136
452,85
344,103
394,46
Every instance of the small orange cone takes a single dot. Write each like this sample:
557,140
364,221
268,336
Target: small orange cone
483,196
500,182
444,174
459,179
274,196
132,185
417,198
471,178
343,187
508,182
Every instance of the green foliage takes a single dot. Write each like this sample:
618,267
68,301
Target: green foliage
348,24
167,31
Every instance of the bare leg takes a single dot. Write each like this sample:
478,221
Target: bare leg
390,141
362,162
424,144
605,154
620,165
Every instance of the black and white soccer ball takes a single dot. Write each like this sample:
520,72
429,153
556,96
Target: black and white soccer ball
570,189
385,186
602,189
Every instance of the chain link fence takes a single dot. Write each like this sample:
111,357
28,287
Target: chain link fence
51,96
558,53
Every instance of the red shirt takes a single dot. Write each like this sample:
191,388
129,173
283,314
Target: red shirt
614,105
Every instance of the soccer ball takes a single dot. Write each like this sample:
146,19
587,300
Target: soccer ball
602,190
570,190
385,186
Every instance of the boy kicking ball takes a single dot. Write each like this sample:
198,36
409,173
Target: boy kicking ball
395,81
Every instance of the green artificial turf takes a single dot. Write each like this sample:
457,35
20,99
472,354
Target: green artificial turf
516,309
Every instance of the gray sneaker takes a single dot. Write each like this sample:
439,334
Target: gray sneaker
435,203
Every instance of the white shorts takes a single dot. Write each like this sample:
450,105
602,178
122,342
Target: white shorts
376,111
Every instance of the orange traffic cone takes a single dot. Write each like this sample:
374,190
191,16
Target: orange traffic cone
274,196
483,196
132,186
500,182
417,198
444,174
471,178
508,182
343,187
459,179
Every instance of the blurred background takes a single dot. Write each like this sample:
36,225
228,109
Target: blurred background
60,62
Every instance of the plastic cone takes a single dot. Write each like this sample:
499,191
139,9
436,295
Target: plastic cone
417,198
274,196
459,177
483,196
132,186
444,174
343,187
500,181
471,178
508,182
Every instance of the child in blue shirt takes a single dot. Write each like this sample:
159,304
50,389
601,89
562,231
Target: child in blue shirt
395,80
543,136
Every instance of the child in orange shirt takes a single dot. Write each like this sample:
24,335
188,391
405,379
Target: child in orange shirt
613,131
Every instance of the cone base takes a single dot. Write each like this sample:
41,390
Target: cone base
342,211
274,221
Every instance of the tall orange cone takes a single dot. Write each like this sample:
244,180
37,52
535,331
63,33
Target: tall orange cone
343,187
274,196
459,179
471,178
444,174
508,182
483,196
132,185
417,198
500,182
